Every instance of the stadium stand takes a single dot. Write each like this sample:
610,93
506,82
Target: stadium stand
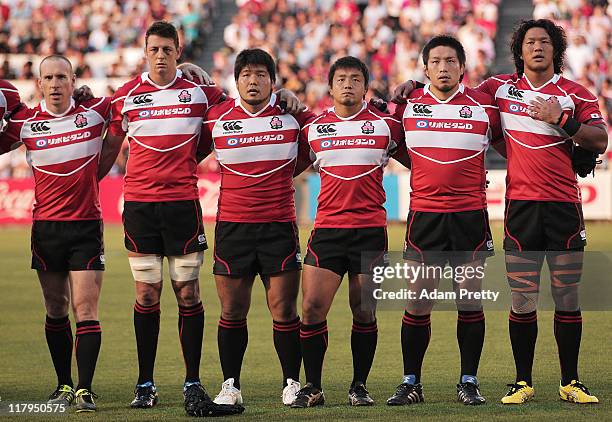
306,36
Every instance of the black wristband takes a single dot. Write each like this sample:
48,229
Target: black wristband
560,118
417,84
571,126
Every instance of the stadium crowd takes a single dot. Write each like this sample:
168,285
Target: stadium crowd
305,36
100,36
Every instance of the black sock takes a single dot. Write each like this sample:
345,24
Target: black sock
416,331
314,339
232,338
146,326
286,337
59,340
470,336
523,335
568,332
364,337
88,340
191,334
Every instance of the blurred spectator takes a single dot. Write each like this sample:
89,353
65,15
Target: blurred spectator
77,27
306,36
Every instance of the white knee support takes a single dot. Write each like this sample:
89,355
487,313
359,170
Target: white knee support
147,268
185,267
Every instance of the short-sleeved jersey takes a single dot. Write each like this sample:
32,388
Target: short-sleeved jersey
350,155
257,154
9,101
64,151
446,141
539,154
162,124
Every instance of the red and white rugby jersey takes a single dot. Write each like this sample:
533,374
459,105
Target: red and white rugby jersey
257,153
162,124
446,141
9,100
539,154
350,154
63,150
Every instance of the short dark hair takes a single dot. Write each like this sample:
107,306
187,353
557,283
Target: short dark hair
349,62
163,29
54,57
254,56
444,41
556,34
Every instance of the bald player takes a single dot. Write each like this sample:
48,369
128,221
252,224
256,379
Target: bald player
63,141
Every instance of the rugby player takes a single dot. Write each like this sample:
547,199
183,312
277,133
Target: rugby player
350,143
161,113
256,144
63,140
546,119
448,128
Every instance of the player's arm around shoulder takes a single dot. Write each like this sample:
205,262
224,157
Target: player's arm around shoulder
304,156
397,142
496,134
206,141
10,137
116,131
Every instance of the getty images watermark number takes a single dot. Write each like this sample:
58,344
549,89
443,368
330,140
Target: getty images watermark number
16,408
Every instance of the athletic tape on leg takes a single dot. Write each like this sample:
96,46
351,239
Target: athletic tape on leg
147,268
185,267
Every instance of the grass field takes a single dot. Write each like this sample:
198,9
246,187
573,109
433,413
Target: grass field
26,372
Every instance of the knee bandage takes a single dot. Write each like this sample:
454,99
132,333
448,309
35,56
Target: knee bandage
185,267
147,268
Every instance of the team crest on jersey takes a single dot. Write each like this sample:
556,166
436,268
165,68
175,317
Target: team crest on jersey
80,121
515,93
184,96
276,123
421,110
465,112
367,128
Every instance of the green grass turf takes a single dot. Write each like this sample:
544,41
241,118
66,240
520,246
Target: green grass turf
26,372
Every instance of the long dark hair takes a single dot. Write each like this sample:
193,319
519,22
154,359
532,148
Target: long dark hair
556,34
